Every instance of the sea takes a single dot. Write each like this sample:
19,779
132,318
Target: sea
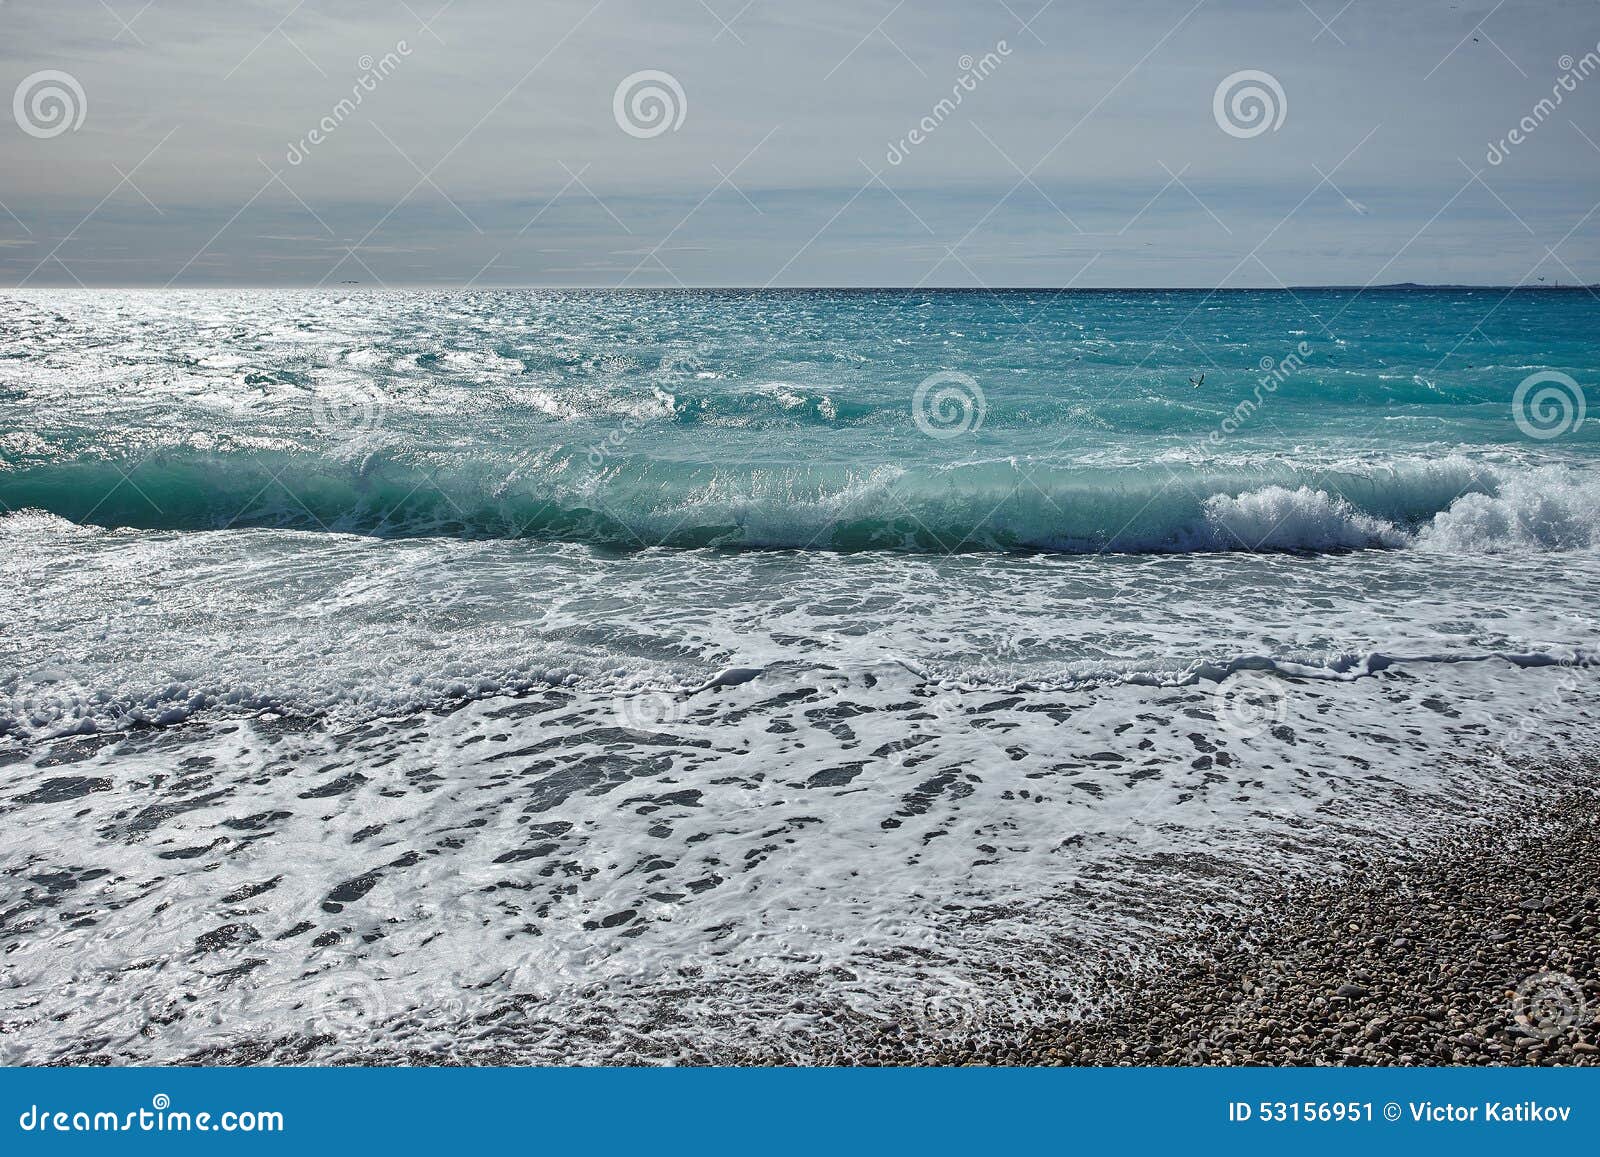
672,677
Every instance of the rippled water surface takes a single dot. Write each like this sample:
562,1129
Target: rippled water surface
584,676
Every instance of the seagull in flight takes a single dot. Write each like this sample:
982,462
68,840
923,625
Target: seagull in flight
1198,382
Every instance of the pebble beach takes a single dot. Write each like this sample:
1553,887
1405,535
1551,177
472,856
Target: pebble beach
1479,950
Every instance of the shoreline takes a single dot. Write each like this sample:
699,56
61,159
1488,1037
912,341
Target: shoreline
1390,925
1412,957
1481,950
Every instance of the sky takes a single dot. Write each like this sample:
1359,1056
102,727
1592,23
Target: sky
816,143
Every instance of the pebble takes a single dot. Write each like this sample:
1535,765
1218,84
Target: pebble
1432,946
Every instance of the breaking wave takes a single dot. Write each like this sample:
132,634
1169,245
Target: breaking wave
1448,503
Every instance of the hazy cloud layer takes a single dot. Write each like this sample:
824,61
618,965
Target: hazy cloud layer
1086,145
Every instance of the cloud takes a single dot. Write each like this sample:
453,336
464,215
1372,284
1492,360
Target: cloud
264,141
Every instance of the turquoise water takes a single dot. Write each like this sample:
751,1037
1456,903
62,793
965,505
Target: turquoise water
1063,422
546,676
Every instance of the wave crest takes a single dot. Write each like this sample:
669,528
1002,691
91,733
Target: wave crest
1277,518
1449,504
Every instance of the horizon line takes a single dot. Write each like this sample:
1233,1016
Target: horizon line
1589,287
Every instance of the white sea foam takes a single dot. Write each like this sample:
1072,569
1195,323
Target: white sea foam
308,624
767,862
1277,518
1546,510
